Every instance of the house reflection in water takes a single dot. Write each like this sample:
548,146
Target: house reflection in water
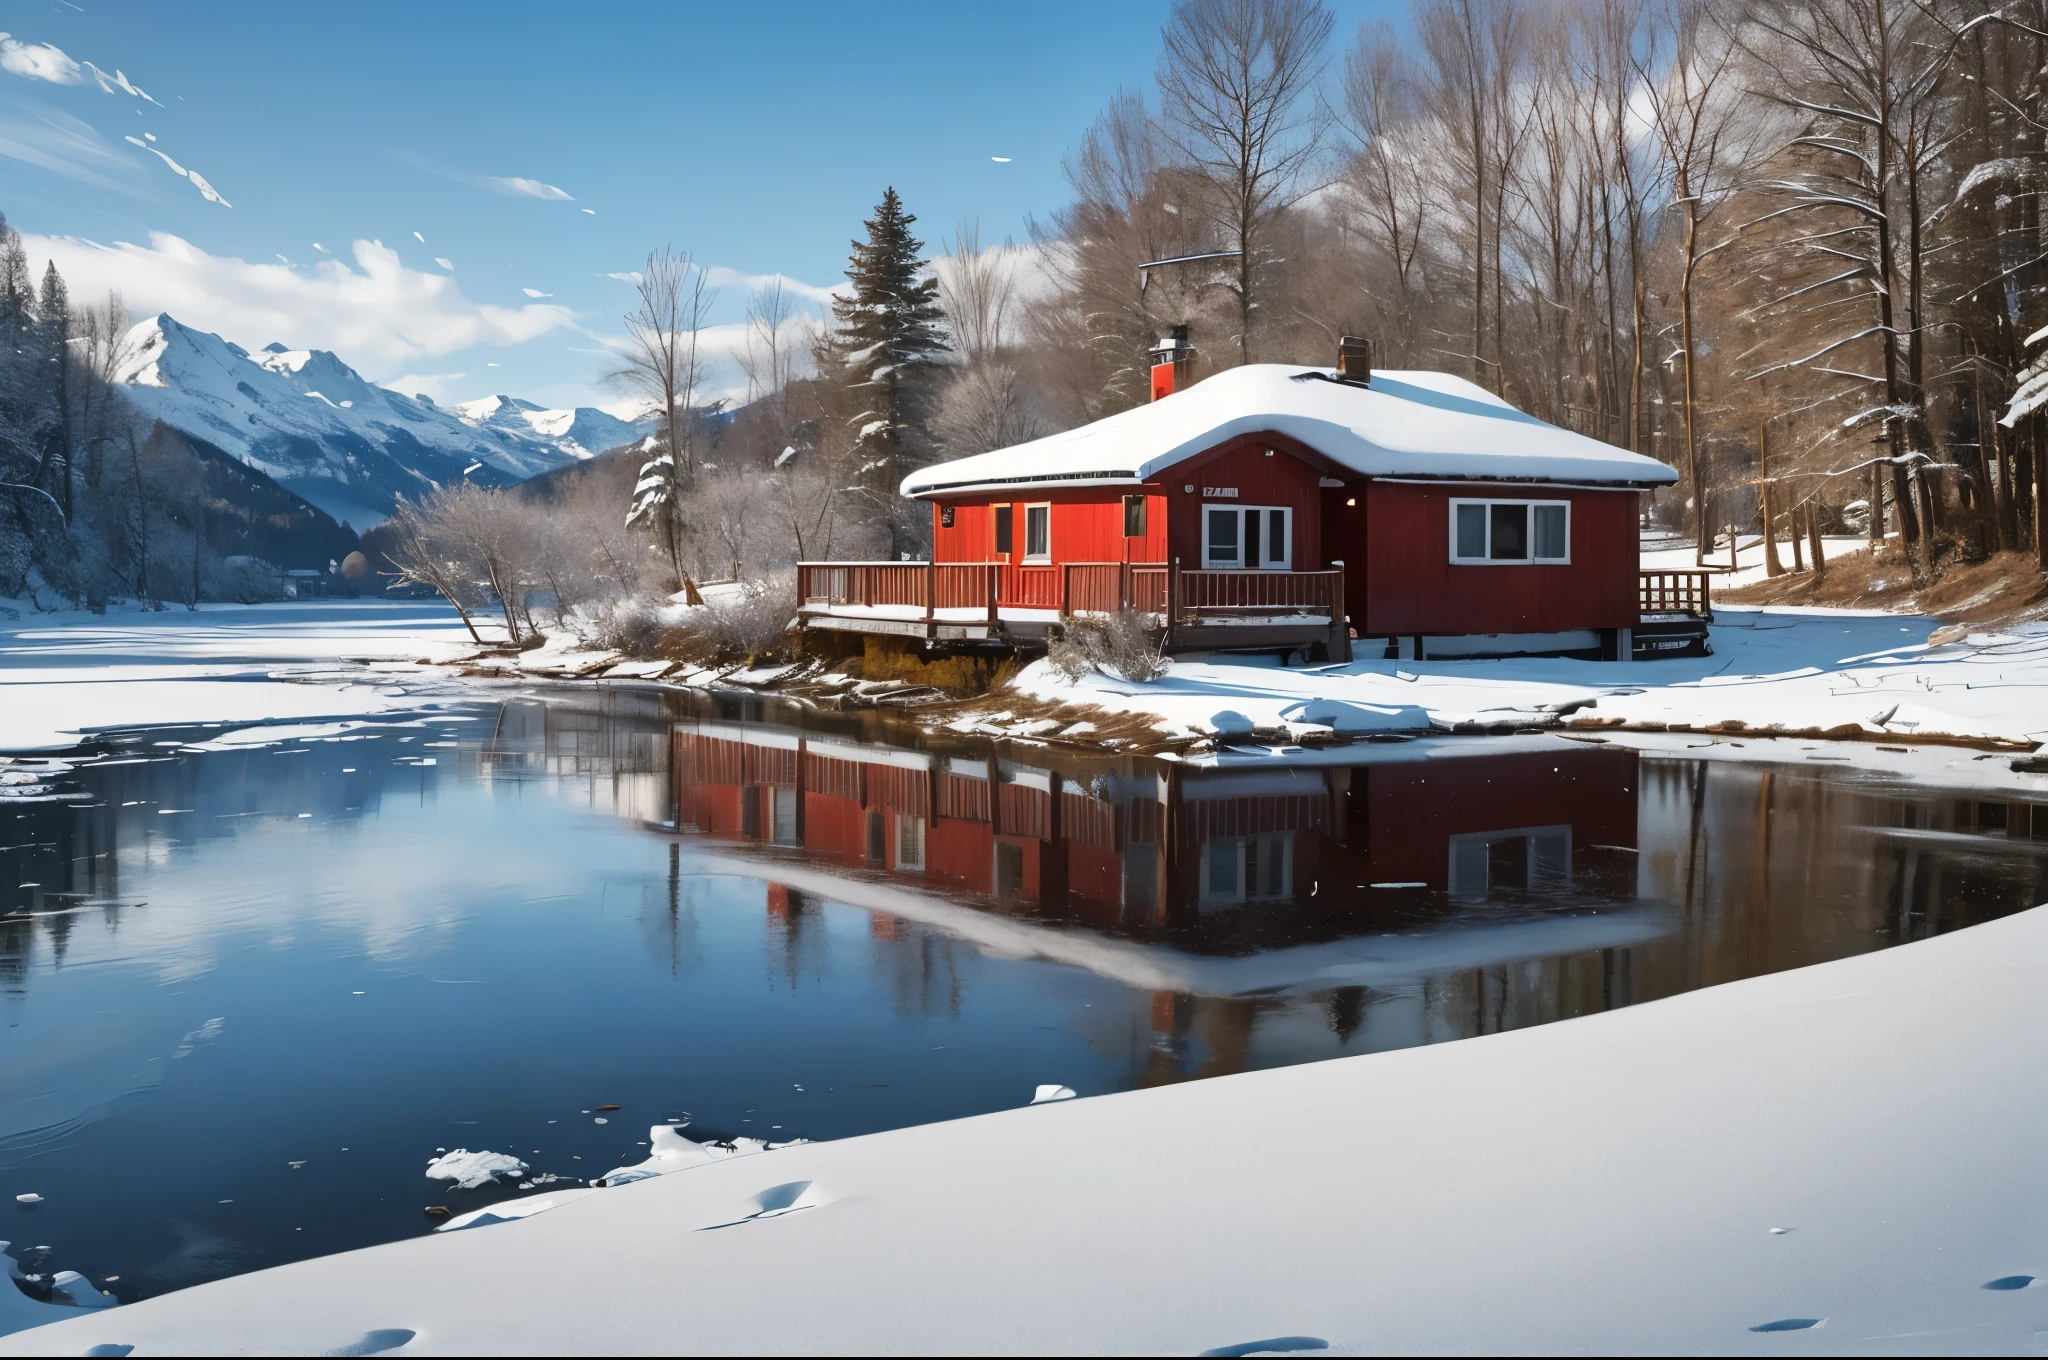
1167,850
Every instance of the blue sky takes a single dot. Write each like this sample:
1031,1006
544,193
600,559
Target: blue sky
755,136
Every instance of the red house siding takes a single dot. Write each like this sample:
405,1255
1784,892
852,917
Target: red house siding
1411,586
1413,810
1087,526
1259,479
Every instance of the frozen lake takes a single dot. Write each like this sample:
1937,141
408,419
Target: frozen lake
254,981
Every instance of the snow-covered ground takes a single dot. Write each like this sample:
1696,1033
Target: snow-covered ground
1837,1159
1677,554
69,674
1849,673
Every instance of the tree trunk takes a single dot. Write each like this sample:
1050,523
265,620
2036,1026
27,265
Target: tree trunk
1820,560
1772,566
1796,523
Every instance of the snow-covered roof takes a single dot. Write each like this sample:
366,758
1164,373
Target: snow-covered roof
1405,424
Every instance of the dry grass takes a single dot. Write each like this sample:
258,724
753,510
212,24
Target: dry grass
963,676
2005,589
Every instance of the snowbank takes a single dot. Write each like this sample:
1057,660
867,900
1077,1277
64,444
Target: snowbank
1844,1146
1845,672
69,674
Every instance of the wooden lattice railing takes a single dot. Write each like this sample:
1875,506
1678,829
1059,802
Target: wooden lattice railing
1676,592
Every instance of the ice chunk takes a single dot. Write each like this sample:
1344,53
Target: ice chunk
1050,1093
472,1169
670,1151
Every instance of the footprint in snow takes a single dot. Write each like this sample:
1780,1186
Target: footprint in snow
777,1200
1272,1345
377,1342
2010,1282
1788,1325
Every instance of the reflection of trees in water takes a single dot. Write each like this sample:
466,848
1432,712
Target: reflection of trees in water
1202,1036
669,914
924,968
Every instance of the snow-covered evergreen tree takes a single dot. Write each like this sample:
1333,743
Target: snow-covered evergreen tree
888,344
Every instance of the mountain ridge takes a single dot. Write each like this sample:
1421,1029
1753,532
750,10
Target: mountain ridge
351,447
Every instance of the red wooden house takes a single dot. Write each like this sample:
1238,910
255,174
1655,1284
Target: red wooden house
1274,506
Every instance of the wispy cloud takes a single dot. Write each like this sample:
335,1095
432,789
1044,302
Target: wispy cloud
625,276
38,61
376,312
119,81
532,188
512,186
535,293
718,276
47,61
206,191
39,135
431,385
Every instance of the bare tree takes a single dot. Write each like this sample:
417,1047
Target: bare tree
664,364
425,554
1239,83
977,287
1474,55
1388,180
1700,119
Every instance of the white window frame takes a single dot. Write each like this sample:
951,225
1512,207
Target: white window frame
1287,514
1532,560
1029,510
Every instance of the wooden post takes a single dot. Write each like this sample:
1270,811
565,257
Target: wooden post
1820,561
1172,603
995,590
1340,628
931,600
1123,580
1066,590
1772,566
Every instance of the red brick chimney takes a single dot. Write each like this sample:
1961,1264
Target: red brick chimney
1354,360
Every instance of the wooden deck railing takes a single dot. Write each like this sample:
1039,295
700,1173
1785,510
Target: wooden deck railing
1675,592
1068,587
1258,592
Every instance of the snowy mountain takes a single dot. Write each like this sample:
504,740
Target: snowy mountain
581,432
347,445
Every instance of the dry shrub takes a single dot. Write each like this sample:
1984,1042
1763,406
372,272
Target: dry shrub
1123,644
751,620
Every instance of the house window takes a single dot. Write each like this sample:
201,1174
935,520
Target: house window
1038,533
909,842
1239,869
1530,859
1250,537
1511,531
1002,528
1134,517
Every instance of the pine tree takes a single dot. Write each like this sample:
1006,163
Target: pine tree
53,321
887,349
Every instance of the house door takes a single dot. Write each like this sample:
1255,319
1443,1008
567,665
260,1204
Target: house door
1344,541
